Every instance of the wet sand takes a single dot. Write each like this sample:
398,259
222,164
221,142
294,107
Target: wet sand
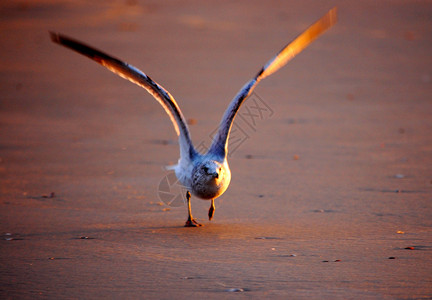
332,184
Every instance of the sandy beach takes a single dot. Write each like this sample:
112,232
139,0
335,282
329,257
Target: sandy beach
331,190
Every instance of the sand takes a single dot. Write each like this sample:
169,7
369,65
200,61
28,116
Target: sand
330,184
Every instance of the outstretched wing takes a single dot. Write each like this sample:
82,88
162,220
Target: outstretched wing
220,141
138,77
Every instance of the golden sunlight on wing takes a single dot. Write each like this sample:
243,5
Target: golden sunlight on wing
300,43
220,141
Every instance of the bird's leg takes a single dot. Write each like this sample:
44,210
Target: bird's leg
190,221
211,210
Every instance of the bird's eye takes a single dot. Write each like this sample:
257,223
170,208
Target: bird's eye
205,169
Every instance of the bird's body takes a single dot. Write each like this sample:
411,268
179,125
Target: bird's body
206,176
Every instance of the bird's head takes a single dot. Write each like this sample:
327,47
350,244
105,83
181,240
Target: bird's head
210,179
211,170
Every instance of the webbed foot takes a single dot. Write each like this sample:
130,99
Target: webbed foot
192,223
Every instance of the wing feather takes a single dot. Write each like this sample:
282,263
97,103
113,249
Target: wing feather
138,77
220,141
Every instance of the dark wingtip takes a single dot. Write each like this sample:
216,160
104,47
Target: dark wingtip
81,48
55,37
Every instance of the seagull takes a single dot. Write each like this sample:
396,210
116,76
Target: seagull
206,176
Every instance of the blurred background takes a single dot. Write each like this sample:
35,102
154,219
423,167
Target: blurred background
345,154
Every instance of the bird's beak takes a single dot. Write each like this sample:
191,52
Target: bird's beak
215,175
